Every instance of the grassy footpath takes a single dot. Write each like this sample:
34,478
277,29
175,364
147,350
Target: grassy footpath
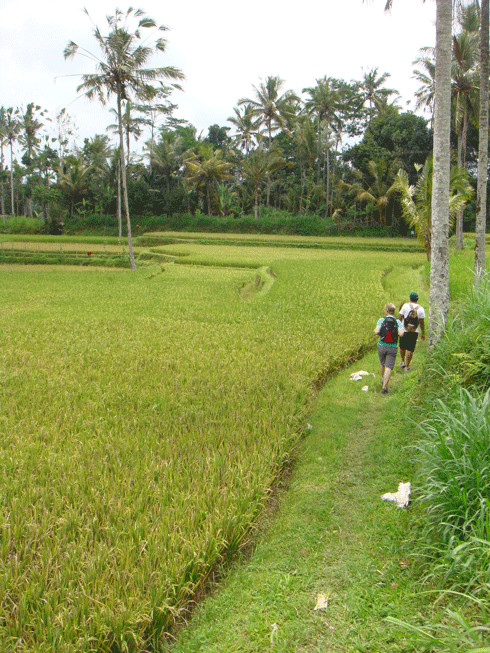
332,534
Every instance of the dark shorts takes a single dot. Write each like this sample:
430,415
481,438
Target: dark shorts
408,340
387,356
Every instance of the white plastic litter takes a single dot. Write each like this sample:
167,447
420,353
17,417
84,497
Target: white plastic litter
321,602
401,498
357,376
365,388
275,628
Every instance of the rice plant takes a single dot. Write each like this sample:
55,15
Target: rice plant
144,418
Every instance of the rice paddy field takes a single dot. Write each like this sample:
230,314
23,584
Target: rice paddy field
144,418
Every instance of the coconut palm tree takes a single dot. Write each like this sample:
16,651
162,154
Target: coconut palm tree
372,89
379,190
206,171
481,195
425,75
166,155
122,72
246,125
132,126
259,166
11,131
3,142
416,199
464,92
73,180
439,270
271,108
324,103
274,110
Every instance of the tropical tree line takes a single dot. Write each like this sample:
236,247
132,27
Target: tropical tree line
334,151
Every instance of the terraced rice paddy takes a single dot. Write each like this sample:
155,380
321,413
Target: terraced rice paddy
144,417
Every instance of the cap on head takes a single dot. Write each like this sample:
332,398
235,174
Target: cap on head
414,296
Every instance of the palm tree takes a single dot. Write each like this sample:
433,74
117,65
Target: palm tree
12,129
373,91
464,88
131,126
121,72
439,268
166,155
3,142
426,76
416,200
259,165
324,103
481,195
73,180
246,125
307,151
207,171
271,108
379,191
29,126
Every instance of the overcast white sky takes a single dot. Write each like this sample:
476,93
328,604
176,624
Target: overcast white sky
222,46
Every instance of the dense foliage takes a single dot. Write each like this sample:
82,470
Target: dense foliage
329,154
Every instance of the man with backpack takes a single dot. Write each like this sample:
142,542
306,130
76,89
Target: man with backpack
389,329
413,317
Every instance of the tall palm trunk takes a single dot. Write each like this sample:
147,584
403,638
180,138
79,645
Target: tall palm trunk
12,200
439,271
327,192
124,181
2,198
119,216
462,138
481,195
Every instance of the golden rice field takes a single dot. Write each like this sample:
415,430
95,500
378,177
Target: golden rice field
144,417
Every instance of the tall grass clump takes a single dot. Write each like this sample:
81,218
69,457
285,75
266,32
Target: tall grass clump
453,456
462,355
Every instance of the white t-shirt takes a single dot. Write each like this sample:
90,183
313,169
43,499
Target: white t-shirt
409,306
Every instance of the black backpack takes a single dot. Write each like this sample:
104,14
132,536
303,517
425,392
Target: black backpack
389,331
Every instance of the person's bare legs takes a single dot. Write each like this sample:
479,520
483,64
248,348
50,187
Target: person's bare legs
409,358
386,377
382,372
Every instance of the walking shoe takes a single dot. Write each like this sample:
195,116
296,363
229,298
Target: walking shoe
384,391
408,369
402,364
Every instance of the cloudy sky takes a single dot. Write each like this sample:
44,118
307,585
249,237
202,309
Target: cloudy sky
224,47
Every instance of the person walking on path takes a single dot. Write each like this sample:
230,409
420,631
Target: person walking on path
389,329
412,315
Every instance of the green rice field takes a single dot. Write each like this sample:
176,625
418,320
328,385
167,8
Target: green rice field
144,417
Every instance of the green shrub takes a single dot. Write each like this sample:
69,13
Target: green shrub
462,356
22,225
